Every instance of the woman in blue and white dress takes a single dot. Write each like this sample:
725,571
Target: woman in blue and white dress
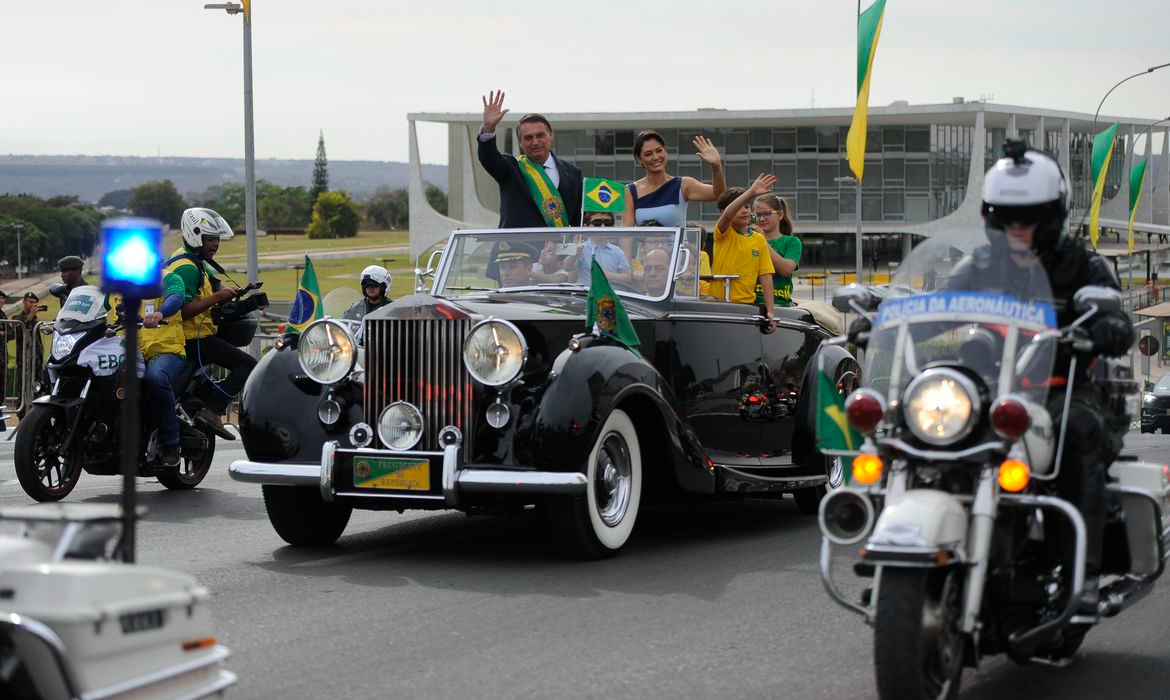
661,197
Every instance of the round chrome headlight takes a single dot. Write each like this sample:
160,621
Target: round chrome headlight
400,426
941,406
494,352
327,351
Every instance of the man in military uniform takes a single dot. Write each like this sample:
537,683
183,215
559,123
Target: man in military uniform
513,260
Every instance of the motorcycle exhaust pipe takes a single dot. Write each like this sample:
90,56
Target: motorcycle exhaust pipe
846,516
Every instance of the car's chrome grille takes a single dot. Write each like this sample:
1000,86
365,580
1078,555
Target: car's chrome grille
1161,402
420,362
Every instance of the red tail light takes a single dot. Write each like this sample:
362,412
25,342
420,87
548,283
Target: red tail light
1009,418
864,410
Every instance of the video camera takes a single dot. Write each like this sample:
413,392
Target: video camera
236,319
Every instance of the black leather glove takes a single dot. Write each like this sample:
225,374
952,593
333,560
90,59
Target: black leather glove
1112,336
858,333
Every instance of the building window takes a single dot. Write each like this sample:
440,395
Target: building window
585,144
603,143
918,173
623,142
806,206
761,140
918,140
806,172
894,204
785,172
873,140
737,175
827,174
895,172
871,208
624,170
784,140
893,139
828,209
735,141
806,139
917,208
827,139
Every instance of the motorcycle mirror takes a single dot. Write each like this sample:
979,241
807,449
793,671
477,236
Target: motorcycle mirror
855,297
1097,298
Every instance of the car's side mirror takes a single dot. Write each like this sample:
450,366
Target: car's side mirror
855,297
1096,299
421,274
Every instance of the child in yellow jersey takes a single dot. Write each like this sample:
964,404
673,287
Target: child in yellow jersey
743,252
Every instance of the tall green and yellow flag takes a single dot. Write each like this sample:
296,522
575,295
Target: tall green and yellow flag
601,194
1137,179
1102,154
306,307
606,314
869,28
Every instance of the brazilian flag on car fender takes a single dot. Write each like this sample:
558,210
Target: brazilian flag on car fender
833,430
306,307
606,315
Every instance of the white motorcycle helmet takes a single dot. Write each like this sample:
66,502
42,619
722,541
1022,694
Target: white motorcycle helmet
374,276
198,222
1026,187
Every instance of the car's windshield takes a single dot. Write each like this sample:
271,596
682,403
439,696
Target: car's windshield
637,262
1163,382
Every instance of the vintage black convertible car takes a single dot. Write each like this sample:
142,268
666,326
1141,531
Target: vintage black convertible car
489,393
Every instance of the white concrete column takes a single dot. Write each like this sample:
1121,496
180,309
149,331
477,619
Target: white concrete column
1040,138
1146,206
1012,132
1065,149
1161,183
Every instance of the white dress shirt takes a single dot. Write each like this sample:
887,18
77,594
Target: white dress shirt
550,164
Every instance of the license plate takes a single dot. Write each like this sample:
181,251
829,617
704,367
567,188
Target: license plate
392,474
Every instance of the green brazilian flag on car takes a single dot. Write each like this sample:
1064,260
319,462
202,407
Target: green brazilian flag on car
834,434
606,314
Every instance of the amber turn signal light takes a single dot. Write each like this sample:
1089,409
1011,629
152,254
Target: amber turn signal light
195,644
867,468
1013,475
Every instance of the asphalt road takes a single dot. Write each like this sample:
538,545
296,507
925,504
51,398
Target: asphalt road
713,600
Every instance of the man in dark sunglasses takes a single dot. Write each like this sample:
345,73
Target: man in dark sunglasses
598,218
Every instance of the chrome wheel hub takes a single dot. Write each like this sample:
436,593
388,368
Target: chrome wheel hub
613,479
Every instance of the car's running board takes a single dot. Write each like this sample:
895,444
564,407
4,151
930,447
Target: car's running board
732,480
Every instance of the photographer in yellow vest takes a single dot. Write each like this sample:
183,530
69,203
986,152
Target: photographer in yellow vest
203,230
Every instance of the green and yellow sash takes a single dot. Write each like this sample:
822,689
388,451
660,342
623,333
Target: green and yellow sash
547,198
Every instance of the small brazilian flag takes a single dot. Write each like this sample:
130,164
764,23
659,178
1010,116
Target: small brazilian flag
604,195
306,307
833,429
606,313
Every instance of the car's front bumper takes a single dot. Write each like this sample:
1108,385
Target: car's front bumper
455,478
1155,420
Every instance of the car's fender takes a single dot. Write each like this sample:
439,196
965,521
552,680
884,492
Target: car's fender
586,385
837,363
278,411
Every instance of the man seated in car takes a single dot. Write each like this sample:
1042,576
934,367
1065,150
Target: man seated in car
513,261
610,257
656,271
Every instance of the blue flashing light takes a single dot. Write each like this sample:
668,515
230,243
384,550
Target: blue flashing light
132,257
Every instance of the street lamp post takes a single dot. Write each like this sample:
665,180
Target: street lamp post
857,236
233,8
19,230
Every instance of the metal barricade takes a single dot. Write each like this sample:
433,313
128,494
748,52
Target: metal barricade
22,359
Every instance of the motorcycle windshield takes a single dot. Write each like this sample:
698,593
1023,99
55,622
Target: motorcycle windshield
965,317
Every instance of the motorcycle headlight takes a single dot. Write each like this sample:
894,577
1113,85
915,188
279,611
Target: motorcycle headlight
941,406
63,344
327,351
494,352
400,426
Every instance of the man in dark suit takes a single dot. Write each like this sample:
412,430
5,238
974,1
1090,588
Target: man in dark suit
538,189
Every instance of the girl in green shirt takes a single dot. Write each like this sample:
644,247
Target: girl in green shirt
774,220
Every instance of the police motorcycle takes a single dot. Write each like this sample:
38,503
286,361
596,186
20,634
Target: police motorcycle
958,543
76,427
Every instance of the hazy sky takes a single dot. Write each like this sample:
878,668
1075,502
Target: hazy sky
165,76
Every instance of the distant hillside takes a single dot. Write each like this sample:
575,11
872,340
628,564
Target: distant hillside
90,177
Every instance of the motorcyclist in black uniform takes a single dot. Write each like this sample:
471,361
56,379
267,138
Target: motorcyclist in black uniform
375,281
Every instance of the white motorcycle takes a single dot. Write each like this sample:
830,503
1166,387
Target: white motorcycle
952,507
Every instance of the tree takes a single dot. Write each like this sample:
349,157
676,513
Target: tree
158,200
388,209
320,171
437,199
118,199
334,216
282,207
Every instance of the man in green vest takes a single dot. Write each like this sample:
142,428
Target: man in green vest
537,189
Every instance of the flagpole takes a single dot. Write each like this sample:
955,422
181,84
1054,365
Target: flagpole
859,240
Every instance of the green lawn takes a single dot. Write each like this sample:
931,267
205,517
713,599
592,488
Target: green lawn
281,284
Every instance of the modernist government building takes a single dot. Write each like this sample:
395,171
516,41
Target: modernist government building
923,170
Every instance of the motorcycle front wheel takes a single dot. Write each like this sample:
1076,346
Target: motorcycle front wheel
918,646
42,472
193,466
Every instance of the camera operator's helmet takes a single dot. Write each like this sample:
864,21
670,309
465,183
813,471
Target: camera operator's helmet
198,222
1026,187
376,276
